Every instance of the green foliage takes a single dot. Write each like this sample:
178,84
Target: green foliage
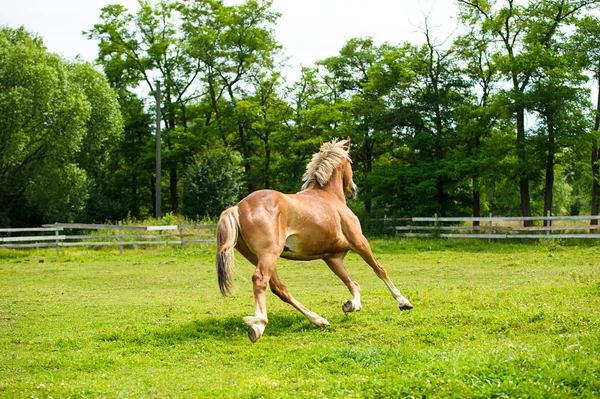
490,320
211,184
543,72
59,194
206,55
495,121
104,127
57,120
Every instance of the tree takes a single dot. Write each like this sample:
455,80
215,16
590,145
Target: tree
559,100
522,30
211,184
306,117
362,109
126,185
477,120
586,43
206,54
232,45
263,115
52,126
139,48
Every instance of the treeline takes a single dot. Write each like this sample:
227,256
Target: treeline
500,120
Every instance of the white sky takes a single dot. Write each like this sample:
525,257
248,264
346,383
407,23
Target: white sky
308,30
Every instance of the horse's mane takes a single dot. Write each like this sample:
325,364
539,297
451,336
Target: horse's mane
323,163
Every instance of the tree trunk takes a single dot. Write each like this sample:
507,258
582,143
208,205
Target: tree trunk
244,141
134,206
369,149
246,155
596,159
267,166
476,199
549,185
215,107
523,173
153,191
475,181
173,180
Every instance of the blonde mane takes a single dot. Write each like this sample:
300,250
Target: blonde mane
324,163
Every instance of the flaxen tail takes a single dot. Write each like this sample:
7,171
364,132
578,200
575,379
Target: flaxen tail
227,235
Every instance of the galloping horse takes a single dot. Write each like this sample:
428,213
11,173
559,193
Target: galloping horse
313,224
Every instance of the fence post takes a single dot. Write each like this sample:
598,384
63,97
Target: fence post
120,238
181,232
491,228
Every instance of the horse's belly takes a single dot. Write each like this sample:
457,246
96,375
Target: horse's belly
313,247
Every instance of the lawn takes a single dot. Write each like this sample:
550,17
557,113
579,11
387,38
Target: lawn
489,320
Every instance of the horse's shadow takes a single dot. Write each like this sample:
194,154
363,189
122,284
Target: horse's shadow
230,327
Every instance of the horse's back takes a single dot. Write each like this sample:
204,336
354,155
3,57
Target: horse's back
273,202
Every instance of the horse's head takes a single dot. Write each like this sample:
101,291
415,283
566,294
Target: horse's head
350,189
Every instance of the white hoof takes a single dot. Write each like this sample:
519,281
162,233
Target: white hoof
254,333
256,327
320,322
350,306
404,304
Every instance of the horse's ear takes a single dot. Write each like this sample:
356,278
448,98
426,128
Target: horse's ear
347,145
321,143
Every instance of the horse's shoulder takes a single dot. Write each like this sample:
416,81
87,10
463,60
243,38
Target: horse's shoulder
348,219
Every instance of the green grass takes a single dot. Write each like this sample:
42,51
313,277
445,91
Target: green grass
490,320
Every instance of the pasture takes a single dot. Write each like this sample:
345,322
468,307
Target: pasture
489,320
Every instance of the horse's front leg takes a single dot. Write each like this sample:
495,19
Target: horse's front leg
360,245
337,266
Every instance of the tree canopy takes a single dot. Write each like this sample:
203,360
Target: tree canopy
498,119
57,121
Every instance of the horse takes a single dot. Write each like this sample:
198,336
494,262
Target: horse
313,224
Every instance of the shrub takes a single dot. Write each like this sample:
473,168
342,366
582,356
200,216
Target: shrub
211,184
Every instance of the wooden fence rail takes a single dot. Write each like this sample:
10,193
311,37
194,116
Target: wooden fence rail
553,227
124,235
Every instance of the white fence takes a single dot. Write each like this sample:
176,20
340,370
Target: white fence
552,227
561,227
121,235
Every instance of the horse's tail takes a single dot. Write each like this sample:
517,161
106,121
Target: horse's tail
227,236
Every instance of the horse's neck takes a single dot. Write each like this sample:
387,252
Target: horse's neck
336,186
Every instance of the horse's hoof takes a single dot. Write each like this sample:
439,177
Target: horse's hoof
321,322
406,305
253,333
348,307
256,327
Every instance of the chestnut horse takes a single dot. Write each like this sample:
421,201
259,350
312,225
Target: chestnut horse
315,223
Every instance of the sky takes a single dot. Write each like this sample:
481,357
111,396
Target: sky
309,30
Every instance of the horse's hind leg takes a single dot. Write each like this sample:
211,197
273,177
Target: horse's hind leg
361,247
282,292
260,280
337,266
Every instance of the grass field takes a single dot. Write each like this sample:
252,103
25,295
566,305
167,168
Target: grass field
490,320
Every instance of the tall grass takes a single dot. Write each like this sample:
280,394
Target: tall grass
490,320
